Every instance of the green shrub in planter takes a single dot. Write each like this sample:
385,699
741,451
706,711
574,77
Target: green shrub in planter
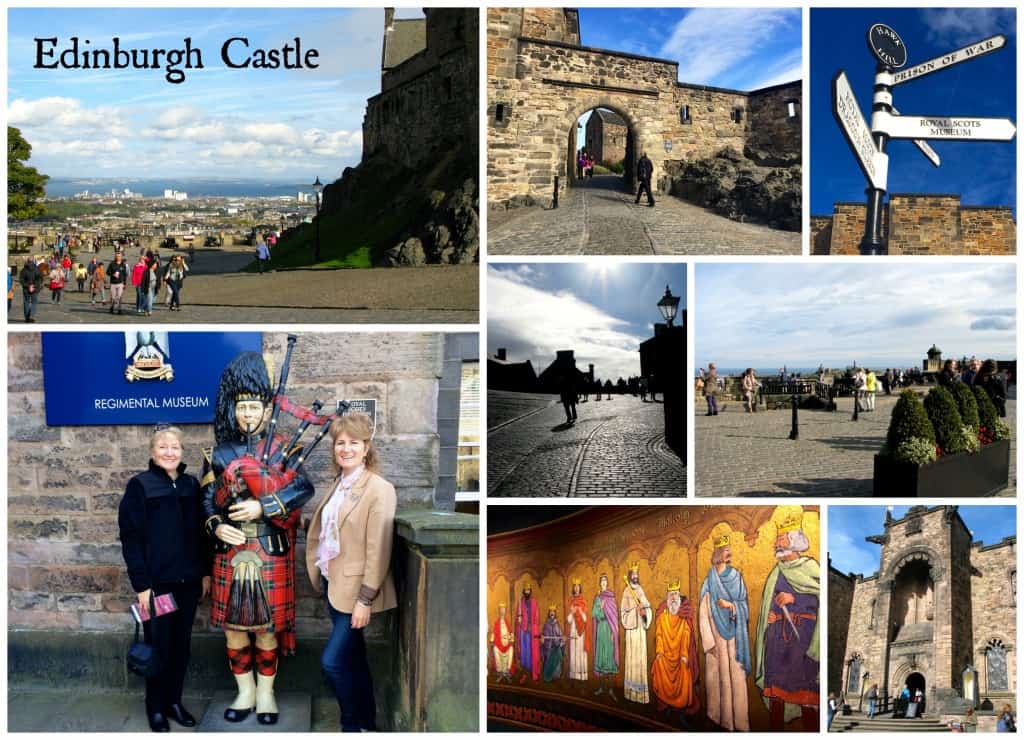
908,421
1002,430
916,450
967,406
946,421
986,409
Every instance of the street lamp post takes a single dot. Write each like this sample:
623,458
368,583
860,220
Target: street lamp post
668,305
318,189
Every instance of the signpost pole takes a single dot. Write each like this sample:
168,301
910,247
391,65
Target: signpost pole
872,243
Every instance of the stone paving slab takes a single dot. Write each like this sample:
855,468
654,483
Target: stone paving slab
599,218
295,713
740,454
615,448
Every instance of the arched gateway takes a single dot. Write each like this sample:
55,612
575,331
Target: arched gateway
540,79
932,614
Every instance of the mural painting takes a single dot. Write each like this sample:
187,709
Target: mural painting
659,618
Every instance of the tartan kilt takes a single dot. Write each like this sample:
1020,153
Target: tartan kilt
278,576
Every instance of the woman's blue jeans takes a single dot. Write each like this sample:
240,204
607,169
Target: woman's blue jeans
348,672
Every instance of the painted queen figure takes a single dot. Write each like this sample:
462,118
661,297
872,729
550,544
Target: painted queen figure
254,489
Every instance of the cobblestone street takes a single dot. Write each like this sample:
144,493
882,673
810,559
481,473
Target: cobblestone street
215,293
740,454
601,219
615,448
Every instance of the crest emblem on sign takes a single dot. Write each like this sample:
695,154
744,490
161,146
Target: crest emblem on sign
147,353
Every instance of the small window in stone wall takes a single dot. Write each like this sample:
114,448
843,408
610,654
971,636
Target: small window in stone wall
792,108
737,115
500,112
684,115
853,675
995,666
1013,585
914,526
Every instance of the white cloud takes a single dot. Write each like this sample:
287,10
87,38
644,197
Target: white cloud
535,324
849,555
709,41
77,147
966,25
333,143
66,114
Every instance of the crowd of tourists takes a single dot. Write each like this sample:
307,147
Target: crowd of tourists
154,280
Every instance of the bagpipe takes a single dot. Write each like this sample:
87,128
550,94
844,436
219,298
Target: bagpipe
254,470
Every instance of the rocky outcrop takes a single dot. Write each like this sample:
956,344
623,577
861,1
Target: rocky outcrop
756,186
449,235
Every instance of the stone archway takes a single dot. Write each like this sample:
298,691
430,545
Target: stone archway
632,137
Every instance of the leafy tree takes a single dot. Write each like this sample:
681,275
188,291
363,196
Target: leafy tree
25,185
909,421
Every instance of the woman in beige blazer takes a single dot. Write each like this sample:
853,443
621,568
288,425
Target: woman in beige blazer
348,547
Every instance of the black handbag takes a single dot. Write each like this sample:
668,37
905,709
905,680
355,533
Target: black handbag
143,659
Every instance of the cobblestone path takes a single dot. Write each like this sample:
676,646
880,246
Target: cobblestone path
740,454
600,218
615,448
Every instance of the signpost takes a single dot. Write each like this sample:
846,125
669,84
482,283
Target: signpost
952,128
966,54
869,144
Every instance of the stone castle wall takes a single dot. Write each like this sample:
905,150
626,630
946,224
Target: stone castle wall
538,84
840,602
606,141
428,102
995,569
772,128
920,224
551,24
65,570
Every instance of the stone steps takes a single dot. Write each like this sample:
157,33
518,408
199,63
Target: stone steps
860,723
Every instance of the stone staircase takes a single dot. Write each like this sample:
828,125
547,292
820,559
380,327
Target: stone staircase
885,723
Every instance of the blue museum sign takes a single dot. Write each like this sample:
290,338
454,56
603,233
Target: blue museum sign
136,377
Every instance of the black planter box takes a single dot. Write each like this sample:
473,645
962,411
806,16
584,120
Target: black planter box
984,473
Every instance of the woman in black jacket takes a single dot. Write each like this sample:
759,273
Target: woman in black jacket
160,520
989,379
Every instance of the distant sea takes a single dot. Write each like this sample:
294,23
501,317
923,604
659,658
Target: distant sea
64,188
773,372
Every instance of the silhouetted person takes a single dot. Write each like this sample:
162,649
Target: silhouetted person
567,391
650,387
644,173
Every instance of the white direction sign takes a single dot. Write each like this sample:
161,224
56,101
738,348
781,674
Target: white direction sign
846,111
952,128
926,150
966,54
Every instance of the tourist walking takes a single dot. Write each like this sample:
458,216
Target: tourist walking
150,285
97,285
348,555
1005,722
80,275
644,173
137,272
57,281
161,531
872,697
750,385
567,392
949,375
860,381
870,389
174,276
262,254
989,380
31,279
118,273
711,390
832,708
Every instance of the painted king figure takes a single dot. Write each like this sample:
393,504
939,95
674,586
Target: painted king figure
787,632
253,492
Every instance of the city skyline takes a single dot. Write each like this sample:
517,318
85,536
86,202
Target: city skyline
268,124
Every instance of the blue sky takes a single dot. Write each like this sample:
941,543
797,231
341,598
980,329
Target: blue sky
269,125
800,315
849,525
601,309
739,48
982,173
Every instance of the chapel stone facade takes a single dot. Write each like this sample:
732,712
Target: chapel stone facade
939,606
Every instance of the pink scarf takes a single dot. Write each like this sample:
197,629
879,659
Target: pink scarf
329,545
